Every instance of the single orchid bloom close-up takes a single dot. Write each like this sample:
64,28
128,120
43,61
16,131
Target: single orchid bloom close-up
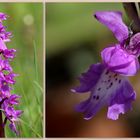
107,81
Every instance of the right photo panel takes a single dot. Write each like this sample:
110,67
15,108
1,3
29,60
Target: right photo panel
92,70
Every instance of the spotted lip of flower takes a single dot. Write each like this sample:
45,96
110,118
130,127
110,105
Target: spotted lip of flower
107,81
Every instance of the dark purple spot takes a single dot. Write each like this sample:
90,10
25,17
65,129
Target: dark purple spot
111,84
110,76
107,72
119,81
109,80
99,89
116,79
94,97
97,97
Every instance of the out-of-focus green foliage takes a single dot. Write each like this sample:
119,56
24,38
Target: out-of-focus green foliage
71,23
25,22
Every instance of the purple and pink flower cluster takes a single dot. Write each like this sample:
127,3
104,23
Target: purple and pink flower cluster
7,100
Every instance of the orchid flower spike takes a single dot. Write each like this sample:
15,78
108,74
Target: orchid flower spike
107,81
7,100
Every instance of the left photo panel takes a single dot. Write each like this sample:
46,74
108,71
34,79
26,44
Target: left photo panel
21,70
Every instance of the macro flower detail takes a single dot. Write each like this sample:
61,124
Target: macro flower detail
107,82
121,57
7,100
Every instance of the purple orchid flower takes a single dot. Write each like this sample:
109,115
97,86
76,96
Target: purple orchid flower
11,114
107,81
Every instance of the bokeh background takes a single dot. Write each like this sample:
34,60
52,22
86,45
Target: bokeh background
74,40
25,22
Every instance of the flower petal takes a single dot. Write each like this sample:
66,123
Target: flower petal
9,53
13,128
2,45
121,102
13,99
105,89
90,78
3,16
113,20
119,61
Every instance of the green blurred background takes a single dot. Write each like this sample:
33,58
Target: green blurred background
74,40
25,22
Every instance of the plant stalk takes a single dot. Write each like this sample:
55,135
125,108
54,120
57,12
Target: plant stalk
2,133
132,13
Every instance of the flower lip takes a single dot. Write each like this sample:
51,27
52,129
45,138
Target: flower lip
111,89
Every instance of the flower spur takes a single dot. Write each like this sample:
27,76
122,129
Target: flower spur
107,81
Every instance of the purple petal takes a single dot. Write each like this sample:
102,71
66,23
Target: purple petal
94,108
89,107
4,105
3,16
106,90
2,28
83,105
4,65
2,45
9,53
13,128
90,78
10,78
18,113
8,111
119,61
5,88
5,36
122,101
113,20
13,99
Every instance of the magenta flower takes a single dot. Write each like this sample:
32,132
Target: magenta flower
7,100
10,113
107,81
